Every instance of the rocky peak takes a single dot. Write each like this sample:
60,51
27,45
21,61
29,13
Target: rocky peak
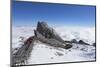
47,31
48,35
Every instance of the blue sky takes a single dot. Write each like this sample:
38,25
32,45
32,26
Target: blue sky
29,13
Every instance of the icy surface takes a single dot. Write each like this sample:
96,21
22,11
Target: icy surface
42,53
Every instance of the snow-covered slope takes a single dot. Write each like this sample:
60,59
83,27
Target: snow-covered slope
42,53
45,54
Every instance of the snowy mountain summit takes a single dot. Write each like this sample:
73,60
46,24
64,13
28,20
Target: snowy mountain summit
48,35
52,45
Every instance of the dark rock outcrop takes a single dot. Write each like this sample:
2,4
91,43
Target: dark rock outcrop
20,57
48,35
94,44
68,46
47,31
82,42
74,41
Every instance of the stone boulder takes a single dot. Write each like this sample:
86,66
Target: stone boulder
94,44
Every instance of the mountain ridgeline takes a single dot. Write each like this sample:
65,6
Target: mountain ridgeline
48,35
44,34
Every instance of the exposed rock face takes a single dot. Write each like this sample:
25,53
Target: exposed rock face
82,42
94,44
48,35
74,41
47,31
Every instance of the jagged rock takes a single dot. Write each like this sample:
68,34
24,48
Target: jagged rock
48,35
47,31
21,55
29,40
68,41
68,46
51,42
82,42
74,41
94,44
